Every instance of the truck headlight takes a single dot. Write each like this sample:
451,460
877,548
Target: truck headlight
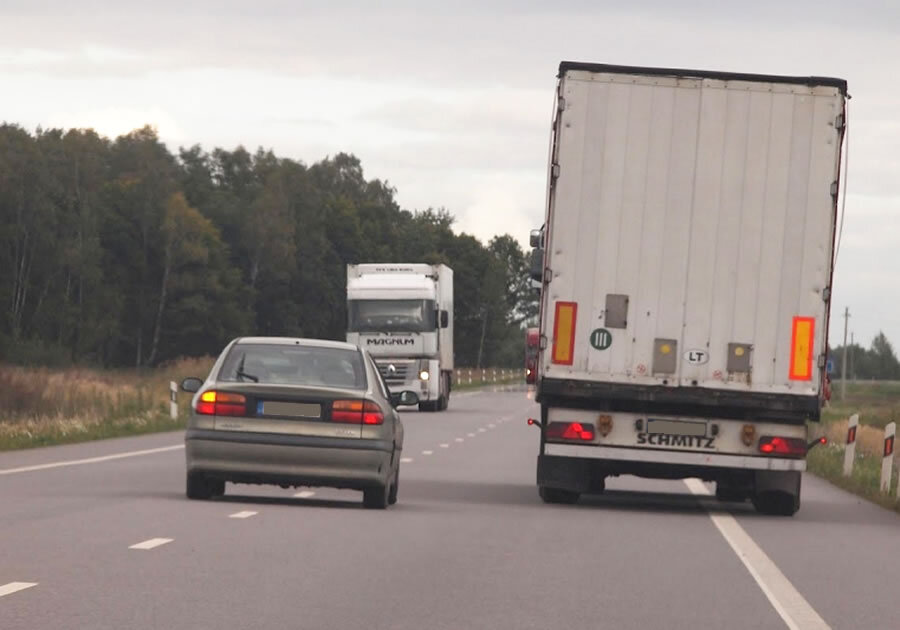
424,375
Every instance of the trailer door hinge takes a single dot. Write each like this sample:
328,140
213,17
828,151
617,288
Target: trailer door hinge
826,294
834,188
822,361
839,122
554,171
561,104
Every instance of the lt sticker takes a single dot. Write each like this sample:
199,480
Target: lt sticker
697,357
601,339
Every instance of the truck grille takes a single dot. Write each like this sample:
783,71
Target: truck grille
397,375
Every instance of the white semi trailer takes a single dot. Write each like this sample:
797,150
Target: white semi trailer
686,269
403,315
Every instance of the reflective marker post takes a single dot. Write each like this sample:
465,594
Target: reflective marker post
173,400
850,449
887,461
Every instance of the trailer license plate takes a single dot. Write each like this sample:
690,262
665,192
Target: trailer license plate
676,427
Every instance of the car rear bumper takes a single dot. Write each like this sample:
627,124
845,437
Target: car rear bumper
289,459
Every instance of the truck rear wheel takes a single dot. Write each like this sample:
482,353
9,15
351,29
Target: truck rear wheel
557,495
776,503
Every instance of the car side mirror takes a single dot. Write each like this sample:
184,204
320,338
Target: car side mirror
445,319
404,398
537,265
191,385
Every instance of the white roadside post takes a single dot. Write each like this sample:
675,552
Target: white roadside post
887,460
173,400
850,449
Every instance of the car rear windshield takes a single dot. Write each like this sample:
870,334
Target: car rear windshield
294,365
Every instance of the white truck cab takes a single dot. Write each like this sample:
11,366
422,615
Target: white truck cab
402,313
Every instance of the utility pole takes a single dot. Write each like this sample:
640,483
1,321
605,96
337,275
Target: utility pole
844,356
852,369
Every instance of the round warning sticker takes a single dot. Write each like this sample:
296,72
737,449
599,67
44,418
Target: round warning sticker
601,339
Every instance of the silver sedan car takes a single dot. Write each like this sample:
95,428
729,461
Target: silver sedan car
294,412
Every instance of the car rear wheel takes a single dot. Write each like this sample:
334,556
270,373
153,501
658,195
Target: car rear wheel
392,496
376,497
198,486
556,495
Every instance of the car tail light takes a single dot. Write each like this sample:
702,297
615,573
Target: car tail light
213,403
776,445
575,431
356,412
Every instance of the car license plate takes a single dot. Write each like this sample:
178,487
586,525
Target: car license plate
676,427
288,409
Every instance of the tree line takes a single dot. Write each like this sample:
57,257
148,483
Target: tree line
878,362
119,252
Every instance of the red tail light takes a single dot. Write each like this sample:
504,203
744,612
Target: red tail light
570,431
776,445
213,403
356,412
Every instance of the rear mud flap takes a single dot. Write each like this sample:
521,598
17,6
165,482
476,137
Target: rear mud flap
569,473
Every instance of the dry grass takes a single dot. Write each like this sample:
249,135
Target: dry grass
41,406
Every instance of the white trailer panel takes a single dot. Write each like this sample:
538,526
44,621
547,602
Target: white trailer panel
709,205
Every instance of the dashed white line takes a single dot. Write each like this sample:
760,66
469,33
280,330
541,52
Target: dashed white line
90,460
470,434
15,587
459,439
427,452
152,543
445,445
406,460
785,599
492,426
244,514
304,494
482,430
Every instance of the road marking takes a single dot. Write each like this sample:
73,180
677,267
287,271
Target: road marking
482,430
152,543
459,439
427,452
406,460
470,434
785,599
492,426
304,494
445,445
244,514
90,460
15,587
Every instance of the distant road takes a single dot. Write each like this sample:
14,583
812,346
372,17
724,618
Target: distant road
100,536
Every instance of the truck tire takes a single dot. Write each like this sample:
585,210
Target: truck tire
429,405
557,495
729,493
776,503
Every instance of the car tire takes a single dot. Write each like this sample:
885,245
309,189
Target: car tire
201,488
558,496
376,497
395,487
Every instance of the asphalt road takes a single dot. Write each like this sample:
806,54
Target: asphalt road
469,545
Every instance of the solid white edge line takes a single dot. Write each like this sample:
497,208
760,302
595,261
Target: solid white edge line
90,460
15,587
243,514
790,605
304,494
152,543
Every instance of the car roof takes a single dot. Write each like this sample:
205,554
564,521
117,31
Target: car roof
297,341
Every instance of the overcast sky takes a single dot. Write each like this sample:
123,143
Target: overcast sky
451,101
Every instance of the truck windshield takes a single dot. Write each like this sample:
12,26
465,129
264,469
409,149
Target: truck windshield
391,315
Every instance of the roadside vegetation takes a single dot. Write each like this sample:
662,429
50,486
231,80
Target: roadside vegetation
43,407
878,404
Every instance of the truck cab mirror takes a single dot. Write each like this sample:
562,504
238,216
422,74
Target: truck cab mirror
536,237
405,398
537,265
445,319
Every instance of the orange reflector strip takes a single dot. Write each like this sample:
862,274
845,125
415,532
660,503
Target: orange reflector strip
802,349
564,333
